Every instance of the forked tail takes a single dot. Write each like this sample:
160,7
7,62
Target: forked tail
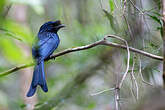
38,79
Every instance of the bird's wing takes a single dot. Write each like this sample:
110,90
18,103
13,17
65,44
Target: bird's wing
42,42
37,46
47,47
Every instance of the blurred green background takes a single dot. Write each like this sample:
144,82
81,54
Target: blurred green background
86,22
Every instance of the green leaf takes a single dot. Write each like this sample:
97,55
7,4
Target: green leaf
2,4
38,104
161,30
22,106
91,106
153,45
18,31
155,18
111,5
158,3
159,21
156,13
113,22
10,34
11,51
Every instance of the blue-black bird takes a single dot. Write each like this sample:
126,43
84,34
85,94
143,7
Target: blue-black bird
47,41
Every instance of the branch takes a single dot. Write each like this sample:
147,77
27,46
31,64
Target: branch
70,50
134,82
103,91
141,75
16,69
118,86
7,10
117,98
128,57
163,38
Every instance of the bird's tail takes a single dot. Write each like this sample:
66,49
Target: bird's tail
38,79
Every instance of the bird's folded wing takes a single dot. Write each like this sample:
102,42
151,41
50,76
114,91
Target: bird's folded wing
42,42
47,48
38,45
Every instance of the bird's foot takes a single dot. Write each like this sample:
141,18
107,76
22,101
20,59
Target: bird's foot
50,58
54,58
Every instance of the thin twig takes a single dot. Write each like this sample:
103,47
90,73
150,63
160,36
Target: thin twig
16,69
136,7
131,88
125,2
100,92
144,53
128,26
116,4
117,98
70,50
163,38
134,80
128,58
140,72
101,5
118,86
7,10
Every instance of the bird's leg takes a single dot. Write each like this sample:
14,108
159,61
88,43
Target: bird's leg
49,57
53,57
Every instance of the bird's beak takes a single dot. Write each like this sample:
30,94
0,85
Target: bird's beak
61,26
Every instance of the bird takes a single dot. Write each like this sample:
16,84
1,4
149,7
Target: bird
47,42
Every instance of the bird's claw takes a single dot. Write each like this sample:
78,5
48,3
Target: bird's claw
51,57
54,58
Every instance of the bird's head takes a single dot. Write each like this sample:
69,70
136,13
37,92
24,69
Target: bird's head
51,26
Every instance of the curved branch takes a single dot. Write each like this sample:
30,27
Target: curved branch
144,53
70,50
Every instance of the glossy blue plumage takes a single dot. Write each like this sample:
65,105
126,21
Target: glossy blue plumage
48,41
